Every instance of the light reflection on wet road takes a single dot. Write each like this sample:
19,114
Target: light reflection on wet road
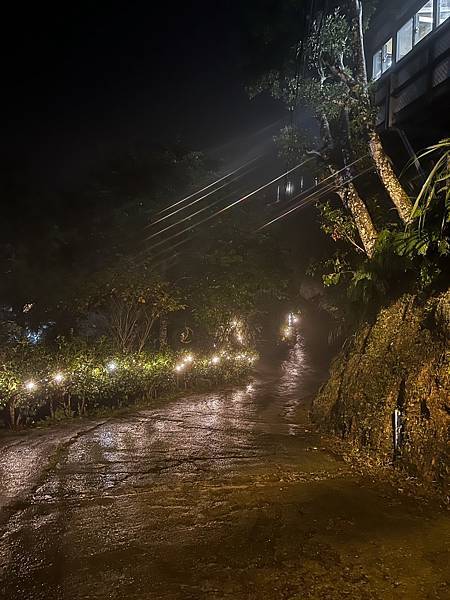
218,495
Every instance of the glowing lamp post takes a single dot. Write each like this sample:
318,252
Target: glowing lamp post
287,332
58,377
111,366
179,370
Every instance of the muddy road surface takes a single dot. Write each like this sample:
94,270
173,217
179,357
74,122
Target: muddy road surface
218,495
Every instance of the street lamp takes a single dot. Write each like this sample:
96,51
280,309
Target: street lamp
30,386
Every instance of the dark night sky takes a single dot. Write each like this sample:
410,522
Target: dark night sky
79,79
83,82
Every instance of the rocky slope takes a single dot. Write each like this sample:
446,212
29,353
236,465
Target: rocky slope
394,375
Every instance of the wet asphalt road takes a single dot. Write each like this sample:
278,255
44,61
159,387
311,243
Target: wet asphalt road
219,495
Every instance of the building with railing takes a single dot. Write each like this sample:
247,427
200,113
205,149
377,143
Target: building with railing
408,56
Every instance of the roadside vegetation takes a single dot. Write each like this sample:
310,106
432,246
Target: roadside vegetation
82,379
102,276
96,315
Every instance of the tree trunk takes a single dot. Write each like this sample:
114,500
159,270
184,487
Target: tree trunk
386,173
390,180
12,414
349,194
356,16
81,406
363,221
163,325
67,406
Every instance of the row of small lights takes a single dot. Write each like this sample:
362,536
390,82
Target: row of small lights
59,377
189,359
215,360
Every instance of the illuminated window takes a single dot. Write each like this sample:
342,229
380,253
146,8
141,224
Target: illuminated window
443,11
376,65
382,60
387,56
423,22
405,39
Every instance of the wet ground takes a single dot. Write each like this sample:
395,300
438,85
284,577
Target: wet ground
219,495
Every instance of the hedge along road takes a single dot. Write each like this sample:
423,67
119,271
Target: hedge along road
217,495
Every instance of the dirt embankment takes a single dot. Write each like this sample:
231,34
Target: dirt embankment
388,393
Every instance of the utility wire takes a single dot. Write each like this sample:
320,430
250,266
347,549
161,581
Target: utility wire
210,185
315,196
229,206
189,216
197,200
145,251
315,186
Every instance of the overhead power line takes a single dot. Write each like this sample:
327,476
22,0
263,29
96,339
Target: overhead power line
316,196
209,186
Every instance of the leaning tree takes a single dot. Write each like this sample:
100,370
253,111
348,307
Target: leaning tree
354,76
326,76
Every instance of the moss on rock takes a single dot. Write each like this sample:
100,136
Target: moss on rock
401,361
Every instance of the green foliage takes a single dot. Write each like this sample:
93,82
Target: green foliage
51,244
131,296
294,142
434,197
332,270
243,278
339,225
92,376
328,81
413,259
330,40
410,259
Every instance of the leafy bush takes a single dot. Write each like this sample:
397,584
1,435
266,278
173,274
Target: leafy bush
414,259
79,379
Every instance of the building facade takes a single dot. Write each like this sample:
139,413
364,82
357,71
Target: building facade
408,57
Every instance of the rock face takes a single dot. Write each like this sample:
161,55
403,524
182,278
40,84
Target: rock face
399,365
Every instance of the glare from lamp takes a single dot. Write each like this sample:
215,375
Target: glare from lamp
111,366
58,377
